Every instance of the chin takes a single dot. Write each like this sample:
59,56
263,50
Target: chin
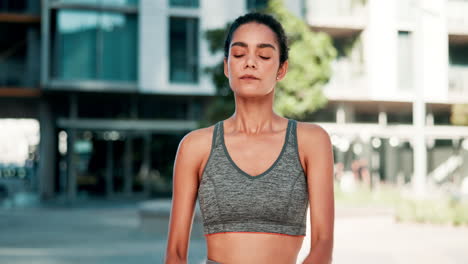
250,92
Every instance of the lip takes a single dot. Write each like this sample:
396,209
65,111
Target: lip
248,77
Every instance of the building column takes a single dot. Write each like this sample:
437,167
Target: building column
71,166
71,156
344,113
147,164
47,150
391,160
109,168
128,165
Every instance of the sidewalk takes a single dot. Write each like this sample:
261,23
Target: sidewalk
109,233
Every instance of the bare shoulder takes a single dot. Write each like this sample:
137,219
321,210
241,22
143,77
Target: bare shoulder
310,132
196,145
197,138
312,138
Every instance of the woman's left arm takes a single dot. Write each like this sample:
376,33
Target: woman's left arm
318,157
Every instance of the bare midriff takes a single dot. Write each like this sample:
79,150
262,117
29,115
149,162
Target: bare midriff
253,247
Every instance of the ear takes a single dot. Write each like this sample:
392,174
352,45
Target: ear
283,69
226,72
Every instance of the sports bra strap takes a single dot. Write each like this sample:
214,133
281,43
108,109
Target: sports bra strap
216,135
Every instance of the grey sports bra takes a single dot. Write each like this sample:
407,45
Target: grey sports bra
275,201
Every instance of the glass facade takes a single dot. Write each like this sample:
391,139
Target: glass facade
19,55
183,43
101,2
184,3
256,4
458,68
20,6
95,45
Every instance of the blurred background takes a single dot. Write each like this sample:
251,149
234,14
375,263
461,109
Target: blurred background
95,96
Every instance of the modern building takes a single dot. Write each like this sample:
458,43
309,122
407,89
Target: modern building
401,66
20,31
115,84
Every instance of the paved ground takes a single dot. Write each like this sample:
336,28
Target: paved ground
107,234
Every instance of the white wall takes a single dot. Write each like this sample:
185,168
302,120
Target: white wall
380,40
153,65
432,42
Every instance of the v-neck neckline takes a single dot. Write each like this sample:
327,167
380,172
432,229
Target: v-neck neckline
270,168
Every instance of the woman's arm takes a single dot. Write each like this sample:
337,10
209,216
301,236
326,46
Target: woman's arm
318,157
184,195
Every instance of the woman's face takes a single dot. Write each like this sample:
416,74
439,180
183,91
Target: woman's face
253,62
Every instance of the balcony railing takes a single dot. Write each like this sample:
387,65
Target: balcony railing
341,13
348,79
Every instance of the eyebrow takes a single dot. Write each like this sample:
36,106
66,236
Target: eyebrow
261,45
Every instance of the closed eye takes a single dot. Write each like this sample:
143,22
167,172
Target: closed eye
265,58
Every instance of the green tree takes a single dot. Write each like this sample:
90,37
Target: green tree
300,92
459,115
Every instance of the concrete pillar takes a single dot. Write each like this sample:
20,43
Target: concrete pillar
146,163
128,165
430,78
391,160
47,151
109,169
71,166
382,118
71,156
344,113
380,40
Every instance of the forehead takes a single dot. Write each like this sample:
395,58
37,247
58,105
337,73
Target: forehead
254,33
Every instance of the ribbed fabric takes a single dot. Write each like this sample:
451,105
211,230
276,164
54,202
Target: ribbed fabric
275,201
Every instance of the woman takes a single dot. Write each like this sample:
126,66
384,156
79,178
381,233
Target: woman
256,172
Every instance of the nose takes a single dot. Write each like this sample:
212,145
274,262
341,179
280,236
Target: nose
250,62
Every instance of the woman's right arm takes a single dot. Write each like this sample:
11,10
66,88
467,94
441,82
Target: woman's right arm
184,195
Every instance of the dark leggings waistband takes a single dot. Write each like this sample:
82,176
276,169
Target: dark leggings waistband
209,261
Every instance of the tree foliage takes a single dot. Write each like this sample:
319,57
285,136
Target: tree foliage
459,115
300,92
310,57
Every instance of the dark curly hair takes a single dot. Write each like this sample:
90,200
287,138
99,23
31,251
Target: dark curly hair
266,20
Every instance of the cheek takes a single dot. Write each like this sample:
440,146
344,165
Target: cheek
271,70
234,68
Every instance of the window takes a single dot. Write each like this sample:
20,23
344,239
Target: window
458,68
184,3
20,6
19,55
256,4
183,43
95,45
100,2
405,60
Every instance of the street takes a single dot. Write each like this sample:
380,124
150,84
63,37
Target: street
110,233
